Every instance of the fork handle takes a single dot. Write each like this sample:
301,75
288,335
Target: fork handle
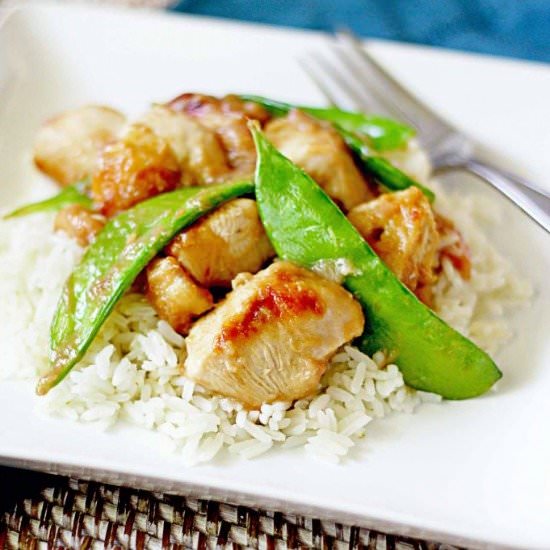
533,203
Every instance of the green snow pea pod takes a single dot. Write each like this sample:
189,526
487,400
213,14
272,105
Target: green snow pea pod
362,133
127,243
388,175
306,227
72,194
383,134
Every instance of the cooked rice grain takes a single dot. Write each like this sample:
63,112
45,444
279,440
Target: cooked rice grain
132,372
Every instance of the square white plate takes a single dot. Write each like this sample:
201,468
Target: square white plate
476,472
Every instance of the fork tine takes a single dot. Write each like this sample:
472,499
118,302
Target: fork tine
327,73
348,39
429,124
318,82
368,87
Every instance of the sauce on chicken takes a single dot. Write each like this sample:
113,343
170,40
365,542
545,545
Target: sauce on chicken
319,150
401,229
137,167
174,295
227,118
273,336
198,150
79,223
67,146
229,241
273,303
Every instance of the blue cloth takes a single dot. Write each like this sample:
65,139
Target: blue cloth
515,28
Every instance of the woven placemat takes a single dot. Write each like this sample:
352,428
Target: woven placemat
43,511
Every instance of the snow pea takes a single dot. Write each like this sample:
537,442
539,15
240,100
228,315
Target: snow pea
127,243
383,134
365,135
384,171
77,193
307,228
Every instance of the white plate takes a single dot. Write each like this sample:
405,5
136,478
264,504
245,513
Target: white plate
475,472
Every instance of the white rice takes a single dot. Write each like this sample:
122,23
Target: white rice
133,373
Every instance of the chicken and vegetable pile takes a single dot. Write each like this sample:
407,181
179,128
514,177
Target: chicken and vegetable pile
268,235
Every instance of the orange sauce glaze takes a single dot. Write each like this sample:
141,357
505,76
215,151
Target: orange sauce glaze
272,302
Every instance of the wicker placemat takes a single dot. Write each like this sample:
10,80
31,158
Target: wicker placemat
42,511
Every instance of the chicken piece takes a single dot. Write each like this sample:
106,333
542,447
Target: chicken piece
228,118
453,246
272,337
401,229
67,146
174,295
197,148
137,167
234,104
319,150
223,244
79,223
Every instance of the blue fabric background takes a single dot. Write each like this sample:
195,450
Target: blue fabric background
515,28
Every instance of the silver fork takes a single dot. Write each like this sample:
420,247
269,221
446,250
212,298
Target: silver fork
367,85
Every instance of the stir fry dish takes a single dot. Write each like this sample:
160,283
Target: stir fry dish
270,235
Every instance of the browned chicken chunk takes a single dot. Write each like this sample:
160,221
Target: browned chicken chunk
228,118
79,223
137,167
234,104
198,149
272,337
401,229
67,146
174,295
223,244
318,149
